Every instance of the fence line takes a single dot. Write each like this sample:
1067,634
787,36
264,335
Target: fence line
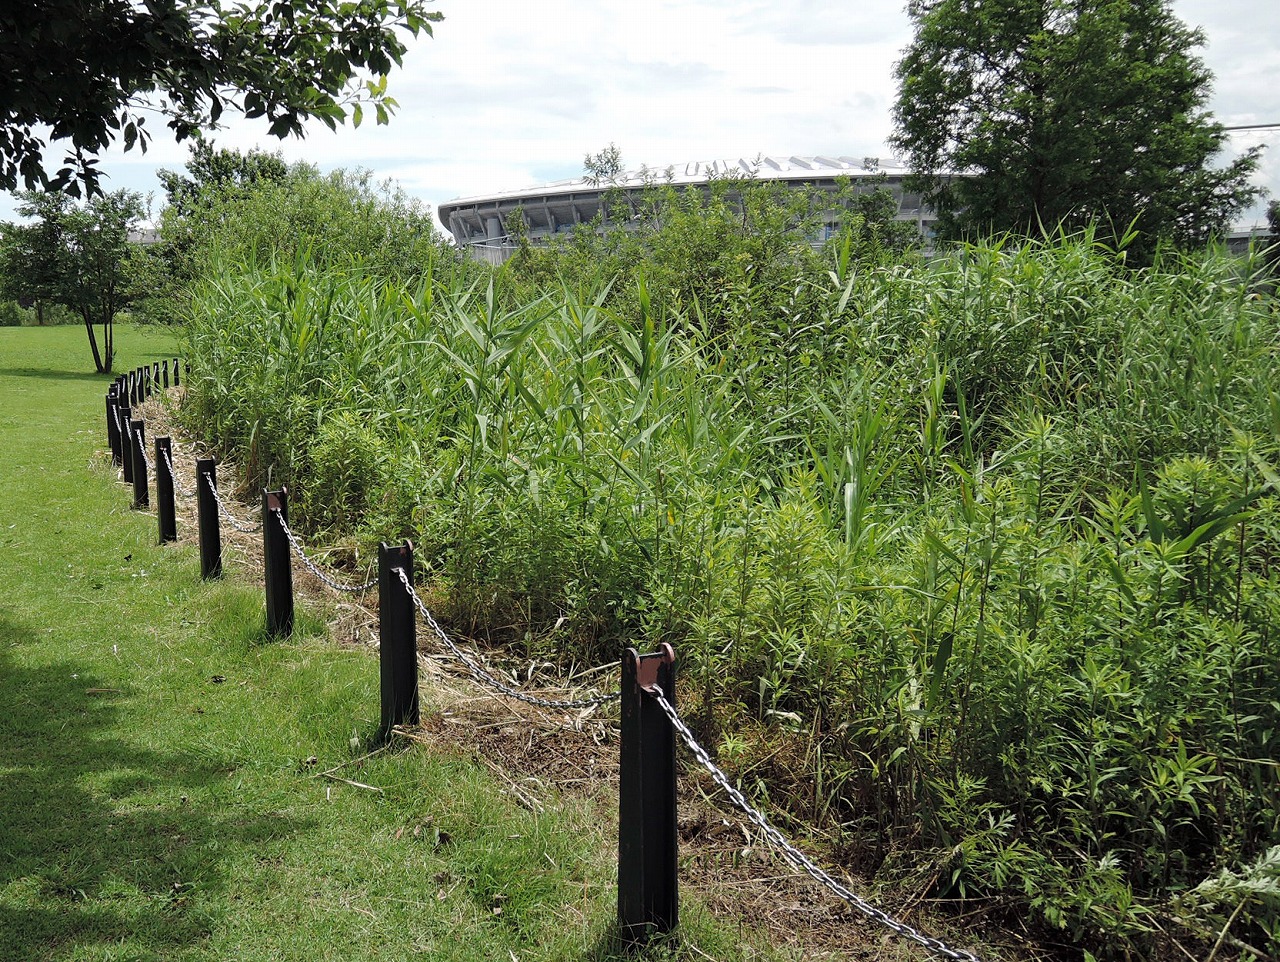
185,492
792,854
484,677
647,871
244,527
313,567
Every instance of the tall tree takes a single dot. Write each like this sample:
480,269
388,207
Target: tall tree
213,177
1065,112
87,72
212,169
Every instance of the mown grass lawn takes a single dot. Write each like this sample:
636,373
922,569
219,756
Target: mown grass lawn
159,797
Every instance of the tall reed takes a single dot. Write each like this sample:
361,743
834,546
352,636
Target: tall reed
973,563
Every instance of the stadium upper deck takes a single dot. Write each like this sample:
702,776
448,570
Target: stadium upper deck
478,223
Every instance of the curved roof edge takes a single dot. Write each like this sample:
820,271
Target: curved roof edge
698,172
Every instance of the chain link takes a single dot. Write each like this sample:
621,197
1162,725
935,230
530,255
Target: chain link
796,857
311,565
792,854
173,476
238,525
482,676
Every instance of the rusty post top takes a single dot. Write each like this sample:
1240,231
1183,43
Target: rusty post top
647,666
273,500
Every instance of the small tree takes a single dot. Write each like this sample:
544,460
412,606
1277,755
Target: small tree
29,262
79,257
98,282
604,167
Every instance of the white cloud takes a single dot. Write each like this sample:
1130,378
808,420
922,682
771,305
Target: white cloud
510,94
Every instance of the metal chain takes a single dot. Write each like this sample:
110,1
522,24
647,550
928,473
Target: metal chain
238,525
311,565
173,476
482,676
794,855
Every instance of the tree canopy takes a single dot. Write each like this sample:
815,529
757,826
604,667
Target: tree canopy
86,73
1064,112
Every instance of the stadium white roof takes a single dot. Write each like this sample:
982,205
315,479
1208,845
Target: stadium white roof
479,223
699,172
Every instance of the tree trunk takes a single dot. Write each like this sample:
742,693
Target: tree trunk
93,345
109,337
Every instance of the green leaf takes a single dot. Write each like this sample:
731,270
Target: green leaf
941,657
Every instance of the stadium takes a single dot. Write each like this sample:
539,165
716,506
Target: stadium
478,223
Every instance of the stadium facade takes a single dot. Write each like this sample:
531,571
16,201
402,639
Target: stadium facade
478,223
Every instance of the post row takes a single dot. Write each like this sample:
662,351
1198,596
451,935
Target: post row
648,897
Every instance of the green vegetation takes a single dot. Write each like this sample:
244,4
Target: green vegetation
1068,112
77,257
227,207
970,562
160,796
736,253
87,74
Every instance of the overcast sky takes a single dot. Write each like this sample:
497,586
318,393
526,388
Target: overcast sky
510,94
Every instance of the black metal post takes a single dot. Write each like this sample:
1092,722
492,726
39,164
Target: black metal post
113,425
166,509
155,375
278,567
648,902
164,373
139,432
207,519
398,639
175,372
126,444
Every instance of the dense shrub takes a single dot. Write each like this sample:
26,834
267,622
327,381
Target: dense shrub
734,255
262,212
971,562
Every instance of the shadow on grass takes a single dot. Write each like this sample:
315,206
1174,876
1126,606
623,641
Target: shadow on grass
104,844
49,374
613,947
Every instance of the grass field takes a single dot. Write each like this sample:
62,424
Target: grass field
159,797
